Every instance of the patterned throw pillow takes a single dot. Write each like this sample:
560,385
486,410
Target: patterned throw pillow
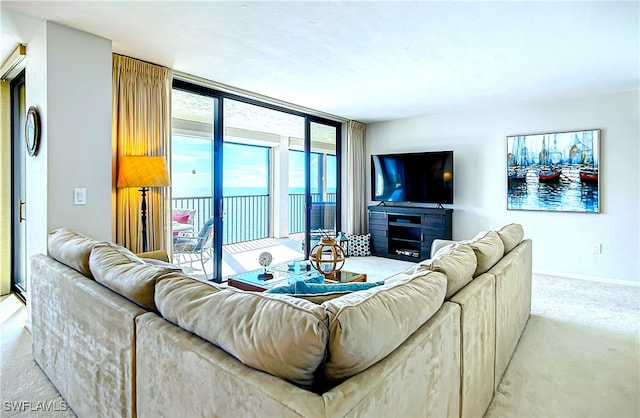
359,245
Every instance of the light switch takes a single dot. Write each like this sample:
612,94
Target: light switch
79,196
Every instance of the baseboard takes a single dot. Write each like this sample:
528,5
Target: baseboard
9,305
585,277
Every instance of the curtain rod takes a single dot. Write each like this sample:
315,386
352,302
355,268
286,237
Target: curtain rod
251,95
14,63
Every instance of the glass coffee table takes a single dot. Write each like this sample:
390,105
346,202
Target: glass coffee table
284,274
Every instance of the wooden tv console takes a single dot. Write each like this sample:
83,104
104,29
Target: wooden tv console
406,233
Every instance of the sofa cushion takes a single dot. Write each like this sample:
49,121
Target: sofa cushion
457,262
511,235
445,249
156,262
125,273
71,248
278,334
488,248
160,255
438,244
366,326
319,298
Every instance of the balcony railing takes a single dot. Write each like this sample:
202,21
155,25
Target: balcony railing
202,205
247,218
297,212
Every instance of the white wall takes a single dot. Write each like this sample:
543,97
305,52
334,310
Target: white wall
36,197
561,241
79,95
68,78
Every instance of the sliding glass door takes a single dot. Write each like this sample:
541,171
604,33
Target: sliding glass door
270,177
323,170
18,189
256,143
193,168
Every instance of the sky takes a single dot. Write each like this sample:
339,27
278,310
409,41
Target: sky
245,169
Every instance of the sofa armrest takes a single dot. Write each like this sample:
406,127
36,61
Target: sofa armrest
156,255
83,339
437,244
478,320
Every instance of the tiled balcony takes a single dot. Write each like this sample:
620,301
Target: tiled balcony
246,230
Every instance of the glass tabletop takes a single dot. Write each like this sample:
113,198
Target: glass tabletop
282,274
295,267
342,276
287,273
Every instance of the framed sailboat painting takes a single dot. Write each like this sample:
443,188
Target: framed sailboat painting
558,171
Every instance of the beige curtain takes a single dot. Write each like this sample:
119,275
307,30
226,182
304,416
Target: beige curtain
5,188
356,179
141,126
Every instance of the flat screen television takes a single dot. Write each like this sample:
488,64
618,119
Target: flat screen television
424,177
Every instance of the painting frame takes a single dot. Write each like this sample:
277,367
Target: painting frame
554,171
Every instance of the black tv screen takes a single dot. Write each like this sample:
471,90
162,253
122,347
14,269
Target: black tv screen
425,177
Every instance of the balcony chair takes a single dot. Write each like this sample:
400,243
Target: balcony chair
182,216
192,248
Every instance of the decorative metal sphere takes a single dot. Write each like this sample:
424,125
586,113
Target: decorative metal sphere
327,256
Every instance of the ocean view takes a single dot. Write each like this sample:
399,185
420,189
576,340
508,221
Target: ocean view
243,165
190,191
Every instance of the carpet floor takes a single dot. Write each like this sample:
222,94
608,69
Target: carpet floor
579,356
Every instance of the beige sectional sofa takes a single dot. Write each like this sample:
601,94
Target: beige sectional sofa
119,336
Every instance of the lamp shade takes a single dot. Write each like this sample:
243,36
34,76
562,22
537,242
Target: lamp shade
142,171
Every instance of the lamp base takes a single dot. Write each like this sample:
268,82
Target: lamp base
143,212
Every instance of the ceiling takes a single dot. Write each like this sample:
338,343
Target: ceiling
369,60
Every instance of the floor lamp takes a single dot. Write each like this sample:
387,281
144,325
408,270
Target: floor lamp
144,172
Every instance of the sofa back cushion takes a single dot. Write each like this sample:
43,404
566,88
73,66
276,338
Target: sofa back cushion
488,248
319,298
366,326
71,248
125,273
458,262
278,334
159,255
511,235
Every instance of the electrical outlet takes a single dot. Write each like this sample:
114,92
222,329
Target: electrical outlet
596,248
79,196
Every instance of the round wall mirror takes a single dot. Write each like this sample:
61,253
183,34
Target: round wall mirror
32,131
